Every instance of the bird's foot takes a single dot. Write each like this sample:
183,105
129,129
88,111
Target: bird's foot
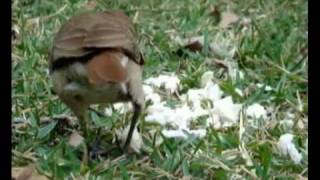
96,150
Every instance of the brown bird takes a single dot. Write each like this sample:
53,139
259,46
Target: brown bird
95,59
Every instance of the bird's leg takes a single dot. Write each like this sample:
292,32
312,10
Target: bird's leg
83,117
136,113
95,148
81,112
79,109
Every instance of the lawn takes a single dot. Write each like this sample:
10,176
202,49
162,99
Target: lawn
257,52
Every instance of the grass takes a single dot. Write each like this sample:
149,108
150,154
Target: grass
270,50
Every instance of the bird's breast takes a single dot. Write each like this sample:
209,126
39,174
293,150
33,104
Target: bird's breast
102,79
109,66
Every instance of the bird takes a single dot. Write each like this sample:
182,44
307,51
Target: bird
95,59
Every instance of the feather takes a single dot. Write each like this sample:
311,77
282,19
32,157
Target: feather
91,30
106,68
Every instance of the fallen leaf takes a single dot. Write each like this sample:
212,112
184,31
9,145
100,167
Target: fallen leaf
91,4
195,46
223,48
214,11
227,18
75,139
186,178
304,51
300,177
26,173
15,34
221,63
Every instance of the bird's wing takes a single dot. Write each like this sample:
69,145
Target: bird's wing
90,31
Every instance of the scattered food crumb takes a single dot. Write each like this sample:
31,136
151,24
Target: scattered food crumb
169,82
256,111
287,147
136,141
267,87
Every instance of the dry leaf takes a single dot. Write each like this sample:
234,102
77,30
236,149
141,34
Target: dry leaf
195,46
15,34
26,173
186,178
220,63
91,4
75,139
301,177
214,11
228,18
304,51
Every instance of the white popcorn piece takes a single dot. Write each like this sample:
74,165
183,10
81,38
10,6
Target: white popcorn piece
123,108
169,82
286,147
154,98
159,113
213,91
147,89
200,133
234,72
256,111
206,78
287,123
136,140
223,114
227,111
239,91
108,111
266,88
195,96
214,120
